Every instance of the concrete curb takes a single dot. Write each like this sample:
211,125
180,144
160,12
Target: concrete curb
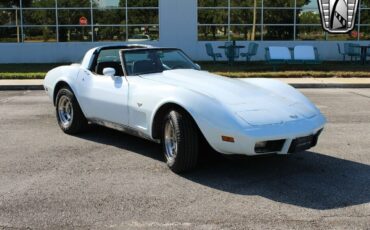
295,85
329,85
21,87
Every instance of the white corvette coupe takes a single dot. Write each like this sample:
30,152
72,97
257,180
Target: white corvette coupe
161,95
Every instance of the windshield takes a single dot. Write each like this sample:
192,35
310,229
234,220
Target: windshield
138,62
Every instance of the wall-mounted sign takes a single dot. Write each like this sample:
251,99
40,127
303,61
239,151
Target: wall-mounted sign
338,16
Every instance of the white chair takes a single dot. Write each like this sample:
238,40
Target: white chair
278,54
306,54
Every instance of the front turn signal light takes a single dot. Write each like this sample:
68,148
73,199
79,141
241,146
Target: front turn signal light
228,139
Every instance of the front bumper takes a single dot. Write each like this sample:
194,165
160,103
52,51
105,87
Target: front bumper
285,138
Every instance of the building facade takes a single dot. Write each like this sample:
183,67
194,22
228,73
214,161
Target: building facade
62,30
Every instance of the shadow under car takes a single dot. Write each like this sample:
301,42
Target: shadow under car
308,179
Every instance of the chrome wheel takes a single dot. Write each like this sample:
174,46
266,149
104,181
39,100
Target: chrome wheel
65,111
170,140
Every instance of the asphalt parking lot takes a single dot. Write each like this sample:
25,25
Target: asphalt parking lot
104,179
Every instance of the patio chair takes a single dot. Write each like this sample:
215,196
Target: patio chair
306,54
252,51
278,54
352,51
341,52
211,53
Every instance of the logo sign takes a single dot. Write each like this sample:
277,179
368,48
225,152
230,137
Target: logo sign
83,21
338,16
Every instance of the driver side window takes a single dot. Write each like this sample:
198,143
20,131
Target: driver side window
108,58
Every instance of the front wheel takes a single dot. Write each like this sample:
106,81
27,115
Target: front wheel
69,115
180,141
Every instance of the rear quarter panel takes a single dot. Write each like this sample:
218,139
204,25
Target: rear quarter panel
67,74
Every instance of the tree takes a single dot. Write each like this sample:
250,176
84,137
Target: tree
10,3
281,17
308,17
254,20
72,17
250,16
140,16
213,16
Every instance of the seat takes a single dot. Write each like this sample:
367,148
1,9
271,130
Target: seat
211,53
115,65
252,51
341,52
305,54
352,51
144,66
278,54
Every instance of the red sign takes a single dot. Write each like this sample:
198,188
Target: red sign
83,21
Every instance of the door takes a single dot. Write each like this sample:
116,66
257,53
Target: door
104,98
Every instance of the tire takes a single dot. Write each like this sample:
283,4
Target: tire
180,139
68,112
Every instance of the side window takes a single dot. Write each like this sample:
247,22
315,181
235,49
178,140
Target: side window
108,58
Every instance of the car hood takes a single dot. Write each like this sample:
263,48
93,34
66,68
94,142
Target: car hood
251,103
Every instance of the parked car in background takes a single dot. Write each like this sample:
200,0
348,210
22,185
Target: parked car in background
161,95
139,38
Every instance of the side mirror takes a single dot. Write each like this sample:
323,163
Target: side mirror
109,72
197,66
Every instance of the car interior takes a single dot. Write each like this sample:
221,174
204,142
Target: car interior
109,64
145,66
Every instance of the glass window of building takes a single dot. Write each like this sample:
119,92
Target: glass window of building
78,20
271,20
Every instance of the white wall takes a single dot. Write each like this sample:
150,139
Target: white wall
178,28
46,52
178,21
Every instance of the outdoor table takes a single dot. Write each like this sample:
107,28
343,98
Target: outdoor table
232,47
363,52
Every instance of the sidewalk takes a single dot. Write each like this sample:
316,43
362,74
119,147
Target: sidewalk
21,85
295,82
327,82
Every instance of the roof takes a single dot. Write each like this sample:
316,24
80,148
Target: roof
124,46
88,56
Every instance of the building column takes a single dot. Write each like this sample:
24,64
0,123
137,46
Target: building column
178,24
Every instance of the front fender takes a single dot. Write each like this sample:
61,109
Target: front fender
213,119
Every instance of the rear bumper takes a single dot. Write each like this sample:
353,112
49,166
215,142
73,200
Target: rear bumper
284,138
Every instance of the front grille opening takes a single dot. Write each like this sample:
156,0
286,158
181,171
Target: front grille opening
269,146
304,143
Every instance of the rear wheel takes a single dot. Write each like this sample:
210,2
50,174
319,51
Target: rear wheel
180,141
69,115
